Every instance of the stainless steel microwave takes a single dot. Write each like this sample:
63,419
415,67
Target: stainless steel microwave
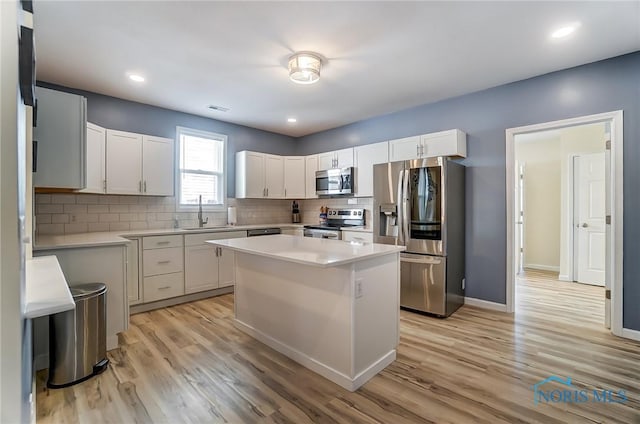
337,181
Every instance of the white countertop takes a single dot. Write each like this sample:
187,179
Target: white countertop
307,250
47,291
69,241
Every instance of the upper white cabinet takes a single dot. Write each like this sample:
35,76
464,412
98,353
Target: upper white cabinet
259,175
336,159
157,166
60,140
365,157
311,166
139,164
95,163
294,177
444,143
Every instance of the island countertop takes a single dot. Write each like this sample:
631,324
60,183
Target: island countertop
308,250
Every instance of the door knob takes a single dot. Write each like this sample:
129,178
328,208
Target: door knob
585,225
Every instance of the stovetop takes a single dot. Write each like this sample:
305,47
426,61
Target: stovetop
341,218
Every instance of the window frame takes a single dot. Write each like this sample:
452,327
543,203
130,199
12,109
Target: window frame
178,170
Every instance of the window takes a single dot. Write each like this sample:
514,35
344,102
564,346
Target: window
201,168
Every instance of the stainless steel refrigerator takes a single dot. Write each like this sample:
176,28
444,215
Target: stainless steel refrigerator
420,204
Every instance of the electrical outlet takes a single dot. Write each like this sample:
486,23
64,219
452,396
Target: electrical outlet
359,293
73,218
352,201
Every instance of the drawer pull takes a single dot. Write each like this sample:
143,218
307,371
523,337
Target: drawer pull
164,288
163,262
162,242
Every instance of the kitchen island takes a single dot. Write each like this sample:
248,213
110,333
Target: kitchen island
329,305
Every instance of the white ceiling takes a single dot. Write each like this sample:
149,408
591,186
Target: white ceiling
381,56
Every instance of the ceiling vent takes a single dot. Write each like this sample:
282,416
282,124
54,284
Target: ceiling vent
218,108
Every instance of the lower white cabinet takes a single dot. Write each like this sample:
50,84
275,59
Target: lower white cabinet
162,267
357,236
208,267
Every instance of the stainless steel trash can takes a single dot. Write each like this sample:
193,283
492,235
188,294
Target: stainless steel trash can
78,338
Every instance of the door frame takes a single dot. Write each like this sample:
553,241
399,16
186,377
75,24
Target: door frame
614,266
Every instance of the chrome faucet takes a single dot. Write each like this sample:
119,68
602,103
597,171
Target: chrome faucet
201,222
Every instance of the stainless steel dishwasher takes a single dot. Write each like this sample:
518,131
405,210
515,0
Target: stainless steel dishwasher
263,232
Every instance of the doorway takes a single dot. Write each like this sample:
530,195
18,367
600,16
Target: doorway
566,247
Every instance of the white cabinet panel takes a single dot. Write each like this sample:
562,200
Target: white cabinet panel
133,272
294,177
311,166
161,242
200,268
95,163
326,161
124,162
162,261
157,166
225,270
250,175
445,143
163,286
357,236
404,148
365,157
344,158
274,176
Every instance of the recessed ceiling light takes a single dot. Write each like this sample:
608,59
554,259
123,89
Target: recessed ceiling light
565,31
136,78
292,120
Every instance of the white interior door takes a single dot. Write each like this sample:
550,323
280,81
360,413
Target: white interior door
590,223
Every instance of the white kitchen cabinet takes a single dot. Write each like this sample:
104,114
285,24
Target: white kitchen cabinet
106,264
274,176
208,267
443,143
124,162
336,159
59,138
365,157
404,148
310,167
95,161
162,267
139,164
357,236
157,166
259,175
294,177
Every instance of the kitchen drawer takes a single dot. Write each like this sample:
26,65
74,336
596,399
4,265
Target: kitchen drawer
162,261
160,242
163,286
357,236
198,239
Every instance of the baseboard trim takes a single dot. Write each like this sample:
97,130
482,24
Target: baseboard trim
145,307
485,304
564,277
541,267
628,333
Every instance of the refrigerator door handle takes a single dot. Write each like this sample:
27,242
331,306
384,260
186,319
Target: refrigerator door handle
405,208
400,212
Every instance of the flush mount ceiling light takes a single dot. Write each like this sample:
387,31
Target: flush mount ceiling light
292,120
565,31
304,67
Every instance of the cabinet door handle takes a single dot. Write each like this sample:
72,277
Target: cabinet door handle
164,288
145,186
267,191
418,150
162,242
285,192
104,185
163,262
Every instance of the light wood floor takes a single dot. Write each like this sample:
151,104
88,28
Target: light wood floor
189,364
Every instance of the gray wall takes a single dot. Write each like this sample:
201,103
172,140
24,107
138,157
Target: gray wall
598,87
124,115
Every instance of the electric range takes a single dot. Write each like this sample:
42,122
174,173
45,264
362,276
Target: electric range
337,219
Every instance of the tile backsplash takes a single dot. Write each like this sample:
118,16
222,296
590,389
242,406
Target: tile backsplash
81,213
